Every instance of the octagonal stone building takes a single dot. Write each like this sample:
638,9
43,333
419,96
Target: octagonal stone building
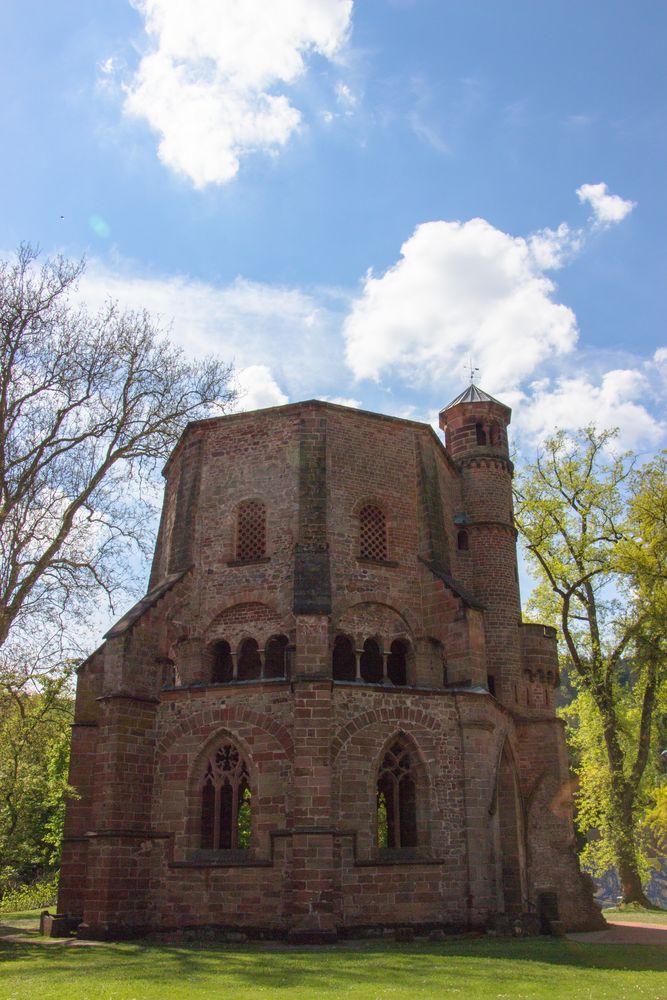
326,717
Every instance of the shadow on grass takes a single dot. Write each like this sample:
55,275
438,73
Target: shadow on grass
270,968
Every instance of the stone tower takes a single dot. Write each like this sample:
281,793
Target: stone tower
325,717
475,426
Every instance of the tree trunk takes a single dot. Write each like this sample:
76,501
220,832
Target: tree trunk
623,796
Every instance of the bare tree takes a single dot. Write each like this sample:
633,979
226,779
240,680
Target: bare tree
89,407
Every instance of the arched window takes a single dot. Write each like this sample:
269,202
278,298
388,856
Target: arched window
344,665
168,672
397,668
250,662
480,432
275,657
396,799
225,812
223,667
251,531
372,533
462,541
371,665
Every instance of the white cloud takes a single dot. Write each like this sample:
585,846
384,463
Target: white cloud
459,290
607,208
344,96
207,85
257,389
341,401
291,332
552,247
569,403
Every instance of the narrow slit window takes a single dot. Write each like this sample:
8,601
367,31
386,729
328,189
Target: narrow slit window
251,531
462,541
225,801
372,533
480,432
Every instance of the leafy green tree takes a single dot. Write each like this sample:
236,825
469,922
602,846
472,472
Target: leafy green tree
36,710
595,531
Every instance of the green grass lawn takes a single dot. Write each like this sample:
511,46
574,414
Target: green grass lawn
636,915
464,968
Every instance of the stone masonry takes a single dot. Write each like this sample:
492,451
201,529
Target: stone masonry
326,717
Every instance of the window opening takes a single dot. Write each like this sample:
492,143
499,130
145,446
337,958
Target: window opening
251,531
371,663
225,814
344,665
480,433
223,666
396,800
397,664
372,534
491,684
462,541
275,658
250,662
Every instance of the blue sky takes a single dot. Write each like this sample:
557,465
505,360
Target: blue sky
350,199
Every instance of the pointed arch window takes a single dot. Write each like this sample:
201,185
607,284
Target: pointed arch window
251,531
225,803
397,799
372,533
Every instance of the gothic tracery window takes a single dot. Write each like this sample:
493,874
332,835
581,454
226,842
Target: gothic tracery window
396,799
225,803
251,531
372,533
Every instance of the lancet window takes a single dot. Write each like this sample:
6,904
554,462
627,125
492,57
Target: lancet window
396,799
225,803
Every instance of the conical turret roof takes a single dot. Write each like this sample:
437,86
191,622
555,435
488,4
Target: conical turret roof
473,394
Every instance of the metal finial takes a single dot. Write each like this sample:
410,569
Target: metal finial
472,370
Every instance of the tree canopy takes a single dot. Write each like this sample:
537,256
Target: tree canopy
90,404
594,526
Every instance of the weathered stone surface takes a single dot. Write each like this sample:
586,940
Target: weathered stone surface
488,825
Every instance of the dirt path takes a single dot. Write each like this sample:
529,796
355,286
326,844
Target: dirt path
625,932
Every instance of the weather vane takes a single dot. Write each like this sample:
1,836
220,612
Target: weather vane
472,370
